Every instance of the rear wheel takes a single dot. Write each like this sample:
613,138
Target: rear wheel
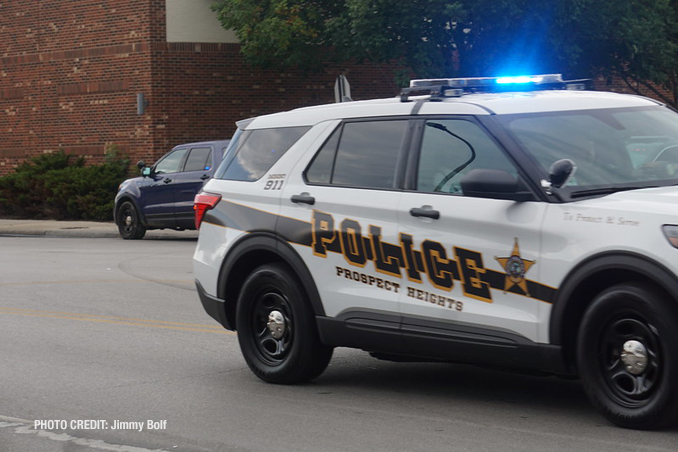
276,327
626,355
129,223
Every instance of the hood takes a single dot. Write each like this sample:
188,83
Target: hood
662,200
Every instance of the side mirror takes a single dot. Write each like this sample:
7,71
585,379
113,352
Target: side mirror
494,184
145,171
561,172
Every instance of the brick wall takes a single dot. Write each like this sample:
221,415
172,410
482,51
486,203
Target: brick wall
70,71
201,90
68,74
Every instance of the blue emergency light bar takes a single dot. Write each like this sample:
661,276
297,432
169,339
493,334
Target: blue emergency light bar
456,87
525,79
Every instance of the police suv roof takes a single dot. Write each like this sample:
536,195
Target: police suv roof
466,103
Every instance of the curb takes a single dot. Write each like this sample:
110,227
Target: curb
79,229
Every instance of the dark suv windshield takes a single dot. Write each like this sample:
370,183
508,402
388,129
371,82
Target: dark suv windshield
613,148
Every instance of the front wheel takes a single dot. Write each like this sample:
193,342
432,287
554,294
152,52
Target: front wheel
626,353
129,223
276,327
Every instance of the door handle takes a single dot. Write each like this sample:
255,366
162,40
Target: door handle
426,212
204,177
303,198
167,180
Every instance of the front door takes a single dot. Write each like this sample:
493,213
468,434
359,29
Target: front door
157,196
472,263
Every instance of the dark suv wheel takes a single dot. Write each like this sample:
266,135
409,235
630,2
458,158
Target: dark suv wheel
627,351
276,327
129,223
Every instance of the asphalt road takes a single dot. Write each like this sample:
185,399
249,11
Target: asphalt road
97,333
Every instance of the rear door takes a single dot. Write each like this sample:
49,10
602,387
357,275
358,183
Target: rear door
345,201
186,184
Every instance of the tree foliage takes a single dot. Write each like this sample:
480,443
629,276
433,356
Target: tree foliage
636,40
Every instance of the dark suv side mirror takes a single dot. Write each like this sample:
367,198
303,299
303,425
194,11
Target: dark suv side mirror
494,184
145,171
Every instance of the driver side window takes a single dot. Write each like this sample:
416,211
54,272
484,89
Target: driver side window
170,163
450,148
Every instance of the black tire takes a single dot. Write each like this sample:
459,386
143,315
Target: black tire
639,393
291,354
129,223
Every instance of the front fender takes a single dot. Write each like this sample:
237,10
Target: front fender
593,276
132,195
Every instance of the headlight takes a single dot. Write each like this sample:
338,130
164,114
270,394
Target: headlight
671,233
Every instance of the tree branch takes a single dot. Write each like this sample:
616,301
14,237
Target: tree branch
647,85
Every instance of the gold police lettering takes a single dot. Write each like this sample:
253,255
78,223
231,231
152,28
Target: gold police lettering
369,280
432,298
431,261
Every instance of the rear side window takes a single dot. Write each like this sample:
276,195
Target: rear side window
257,152
199,159
360,154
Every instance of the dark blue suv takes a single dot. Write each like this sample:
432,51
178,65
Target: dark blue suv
162,197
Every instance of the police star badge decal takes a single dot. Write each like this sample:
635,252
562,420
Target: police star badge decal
515,268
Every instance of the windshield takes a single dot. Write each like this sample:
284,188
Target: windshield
613,148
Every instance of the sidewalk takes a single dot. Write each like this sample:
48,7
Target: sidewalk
78,229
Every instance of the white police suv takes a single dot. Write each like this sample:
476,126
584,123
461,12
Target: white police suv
519,222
